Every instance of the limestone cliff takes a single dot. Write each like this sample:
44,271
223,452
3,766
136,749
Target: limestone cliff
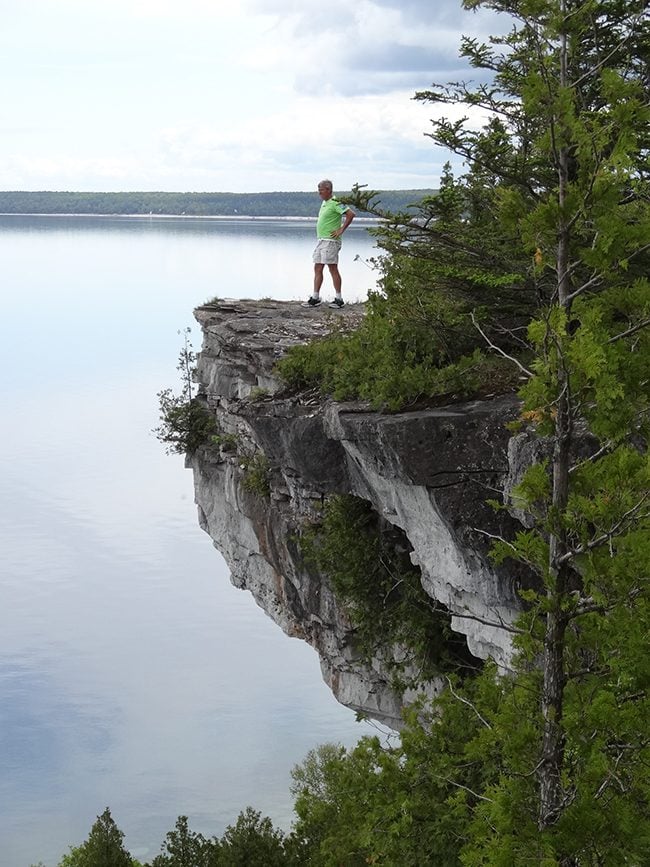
427,472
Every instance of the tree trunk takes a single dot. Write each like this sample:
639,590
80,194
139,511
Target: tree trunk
552,758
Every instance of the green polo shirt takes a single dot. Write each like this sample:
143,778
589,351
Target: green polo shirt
329,217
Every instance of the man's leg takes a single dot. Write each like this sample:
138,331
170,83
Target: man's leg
318,277
336,278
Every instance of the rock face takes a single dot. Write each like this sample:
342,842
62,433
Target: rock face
428,472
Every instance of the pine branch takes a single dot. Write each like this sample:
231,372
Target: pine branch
461,786
620,526
498,349
500,624
598,66
468,703
593,281
589,606
603,450
638,327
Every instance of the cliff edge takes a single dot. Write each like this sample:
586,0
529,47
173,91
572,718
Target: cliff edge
427,472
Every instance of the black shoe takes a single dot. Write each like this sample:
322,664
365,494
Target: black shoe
312,302
337,303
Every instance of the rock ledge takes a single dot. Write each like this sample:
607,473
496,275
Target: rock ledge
428,472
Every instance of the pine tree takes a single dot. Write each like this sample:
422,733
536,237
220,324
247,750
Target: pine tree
567,147
183,847
103,848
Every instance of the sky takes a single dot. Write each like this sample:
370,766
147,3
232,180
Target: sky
242,96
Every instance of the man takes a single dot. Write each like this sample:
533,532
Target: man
333,219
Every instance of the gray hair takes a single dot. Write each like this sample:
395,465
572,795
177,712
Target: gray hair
326,183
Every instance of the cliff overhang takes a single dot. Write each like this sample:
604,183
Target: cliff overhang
428,472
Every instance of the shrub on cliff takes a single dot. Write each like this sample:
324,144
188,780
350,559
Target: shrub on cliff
368,564
185,423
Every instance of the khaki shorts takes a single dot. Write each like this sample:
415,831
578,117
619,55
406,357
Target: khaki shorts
327,251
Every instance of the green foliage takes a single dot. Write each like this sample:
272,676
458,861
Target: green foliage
257,474
331,802
539,255
185,423
375,364
409,804
253,840
567,156
185,848
486,244
460,788
372,574
226,442
258,393
533,491
103,848
546,242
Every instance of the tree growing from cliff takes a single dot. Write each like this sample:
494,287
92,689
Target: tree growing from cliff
566,150
185,424
369,566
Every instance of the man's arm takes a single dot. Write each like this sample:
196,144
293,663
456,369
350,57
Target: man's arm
348,216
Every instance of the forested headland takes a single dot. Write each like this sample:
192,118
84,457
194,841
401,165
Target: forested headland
529,272
274,204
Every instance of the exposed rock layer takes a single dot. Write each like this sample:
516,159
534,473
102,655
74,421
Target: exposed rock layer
428,472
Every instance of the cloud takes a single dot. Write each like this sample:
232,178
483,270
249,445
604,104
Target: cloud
365,139
250,95
62,172
372,46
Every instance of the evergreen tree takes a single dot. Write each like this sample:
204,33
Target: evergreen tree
252,841
567,147
548,763
103,848
186,848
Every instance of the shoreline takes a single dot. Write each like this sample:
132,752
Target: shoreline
231,217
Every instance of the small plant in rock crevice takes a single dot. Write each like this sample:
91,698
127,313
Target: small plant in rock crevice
257,474
227,442
258,393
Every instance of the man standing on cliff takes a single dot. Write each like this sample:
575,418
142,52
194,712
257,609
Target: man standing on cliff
333,220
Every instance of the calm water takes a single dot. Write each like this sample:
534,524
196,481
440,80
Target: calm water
132,674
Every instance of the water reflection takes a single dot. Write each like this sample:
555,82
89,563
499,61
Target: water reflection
132,674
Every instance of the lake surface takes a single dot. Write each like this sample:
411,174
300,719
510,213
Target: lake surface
132,674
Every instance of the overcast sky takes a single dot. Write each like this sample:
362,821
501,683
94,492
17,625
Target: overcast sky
242,96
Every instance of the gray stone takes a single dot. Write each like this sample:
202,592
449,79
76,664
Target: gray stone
428,472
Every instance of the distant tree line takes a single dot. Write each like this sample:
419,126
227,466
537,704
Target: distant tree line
287,204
